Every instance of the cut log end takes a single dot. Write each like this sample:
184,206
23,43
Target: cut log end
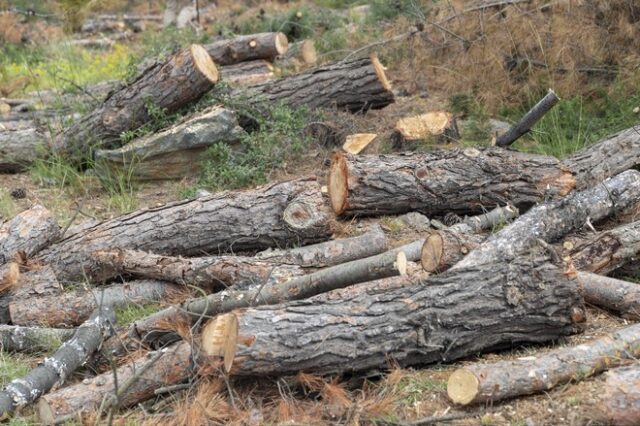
219,338
357,142
338,185
204,63
379,68
282,44
462,386
308,52
431,255
401,263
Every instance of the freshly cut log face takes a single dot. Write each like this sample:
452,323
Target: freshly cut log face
357,142
176,152
179,80
457,180
440,125
220,338
442,249
280,214
248,47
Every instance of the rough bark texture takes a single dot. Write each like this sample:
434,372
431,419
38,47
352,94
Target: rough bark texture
621,400
281,214
248,47
20,148
55,369
175,152
551,221
72,308
615,295
169,366
507,379
247,73
605,251
38,282
443,249
457,180
528,120
170,85
447,317
330,253
35,340
28,233
496,217
354,85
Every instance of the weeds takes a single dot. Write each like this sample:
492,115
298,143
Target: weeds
130,313
8,208
12,367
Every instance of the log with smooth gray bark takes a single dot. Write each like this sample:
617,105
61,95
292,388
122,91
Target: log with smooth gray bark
28,232
620,403
280,214
34,340
73,307
169,84
55,369
20,148
618,296
441,319
553,220
248,47
176,152
481,383
528,120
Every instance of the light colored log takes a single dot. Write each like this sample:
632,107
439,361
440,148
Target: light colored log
355,143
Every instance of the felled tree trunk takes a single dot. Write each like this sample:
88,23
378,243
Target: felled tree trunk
444,248
551,221
281,214
605,251
458,180
621,400
27,233
72,308
496,217
165,367
480,383
447,317
615,295
168,85
35,283
14,338
248,47
20,148
175,152
437,126
56,368
528,120
247,73
357,85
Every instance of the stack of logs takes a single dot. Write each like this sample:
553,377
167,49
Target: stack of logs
334,306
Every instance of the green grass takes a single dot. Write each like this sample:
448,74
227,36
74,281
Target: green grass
128,314
391,224
414,388
13,366
8,207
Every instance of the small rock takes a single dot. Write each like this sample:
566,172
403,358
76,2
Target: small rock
415,221
202,193
18,193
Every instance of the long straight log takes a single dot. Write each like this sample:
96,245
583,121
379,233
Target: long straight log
72,308
20,148
620,403
28,232
551,221
169,85
280,214
55,369
15,338
248,47
168,366
529,119
444,318
480,383
615,295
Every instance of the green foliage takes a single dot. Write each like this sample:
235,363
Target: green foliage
154,44
476,130
8,207
56,171
386,10
73,12
412,388
159,119
12,366
130,313
392,224
278,139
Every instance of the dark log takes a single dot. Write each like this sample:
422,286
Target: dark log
20,148
481,383
165,367
529,119
169,85
615,295
280,214
357,85
247,73
436,126
444,318
551,221
74,307
621,400
457,180
56,369
27,233
34,340
248,47
176,152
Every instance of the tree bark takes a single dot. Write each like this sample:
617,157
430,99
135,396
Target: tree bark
621,400
280,214
169,85
447,317
72,308
176,152
614,295
248,73
27,233
357,85
165,367
20,148
248,47
444,248
480,383
55,369
38,282
34,340
457,180
551,221
437,126
496,217
529,119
